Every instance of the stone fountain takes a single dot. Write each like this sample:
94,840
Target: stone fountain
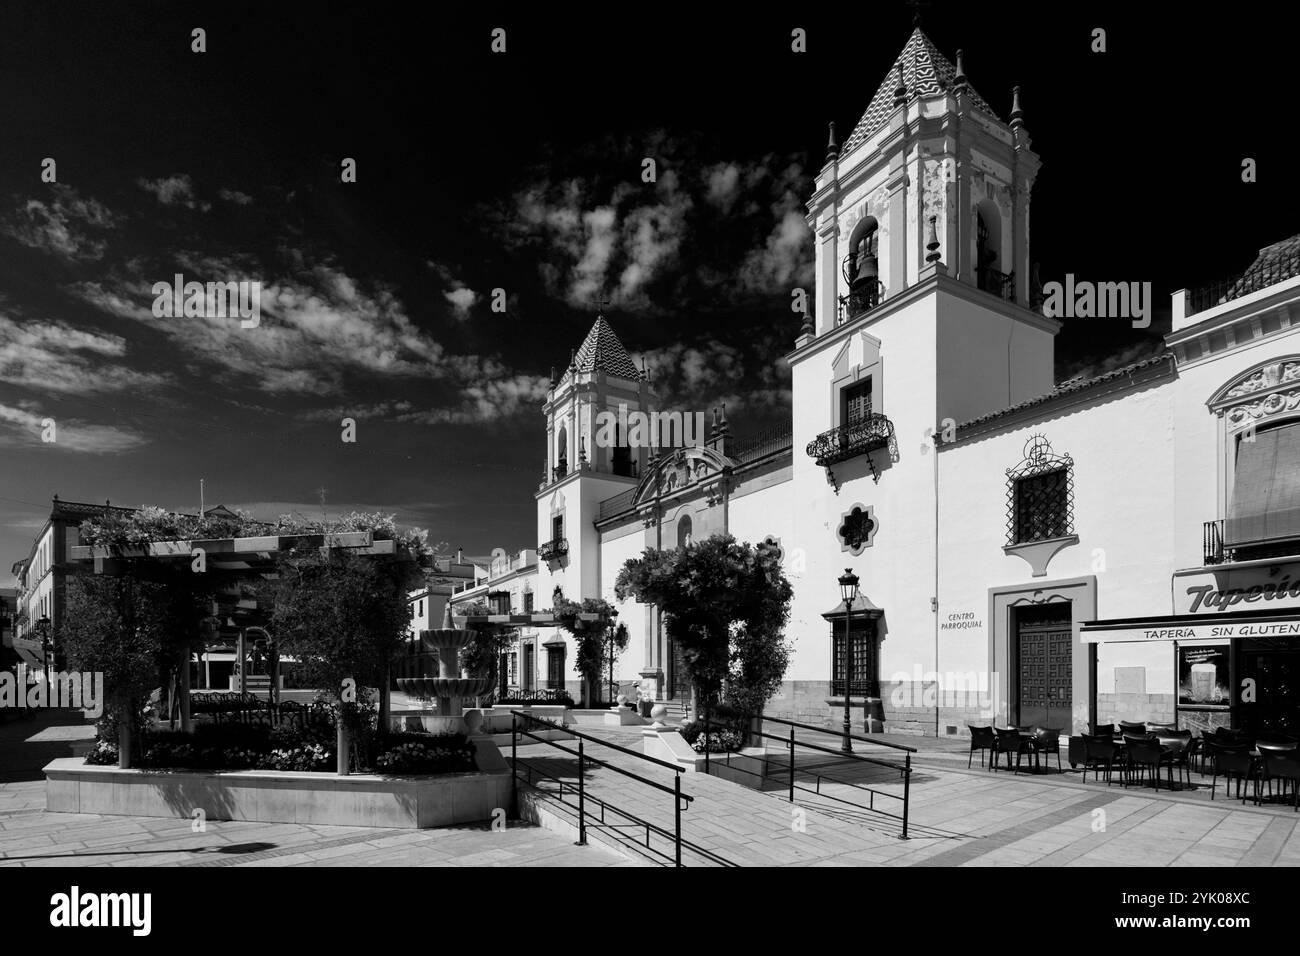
446,692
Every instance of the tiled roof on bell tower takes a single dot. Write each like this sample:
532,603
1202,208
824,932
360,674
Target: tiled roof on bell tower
926,72
601,350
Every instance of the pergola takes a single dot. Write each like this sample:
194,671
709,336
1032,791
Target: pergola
232,560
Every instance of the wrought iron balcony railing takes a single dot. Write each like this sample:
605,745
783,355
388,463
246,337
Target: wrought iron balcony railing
555,548
868,434
1267,273
860,301
1001,284
1212,539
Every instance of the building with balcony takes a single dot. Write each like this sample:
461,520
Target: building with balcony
1125,546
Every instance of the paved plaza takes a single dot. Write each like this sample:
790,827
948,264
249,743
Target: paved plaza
958,817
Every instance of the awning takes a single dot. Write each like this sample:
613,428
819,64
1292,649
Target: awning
1266,488
1192,627
30,651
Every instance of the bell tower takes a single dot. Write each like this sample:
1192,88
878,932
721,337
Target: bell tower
930,174
591,455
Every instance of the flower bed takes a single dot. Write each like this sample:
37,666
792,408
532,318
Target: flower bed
311,749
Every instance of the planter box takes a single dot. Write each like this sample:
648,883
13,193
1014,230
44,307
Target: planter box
606,717
274,796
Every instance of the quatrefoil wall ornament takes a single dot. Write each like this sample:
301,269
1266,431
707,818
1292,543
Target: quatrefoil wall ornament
857,529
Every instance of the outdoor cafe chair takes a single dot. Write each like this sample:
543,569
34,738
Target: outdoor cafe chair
1282,765
1047,740
1233,762
1104,729
981,739
1144,752
1129,728
1176,748
1100,751
1009,740
1271,748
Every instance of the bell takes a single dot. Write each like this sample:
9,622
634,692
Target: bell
867,270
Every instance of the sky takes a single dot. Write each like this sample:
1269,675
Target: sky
521,171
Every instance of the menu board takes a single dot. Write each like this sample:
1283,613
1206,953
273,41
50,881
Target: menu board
1203,681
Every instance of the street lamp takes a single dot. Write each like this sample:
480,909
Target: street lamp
849,592
43,628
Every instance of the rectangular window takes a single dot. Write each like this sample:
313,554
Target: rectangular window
557,527
857,403
864,664
528,602
1042,506
514,668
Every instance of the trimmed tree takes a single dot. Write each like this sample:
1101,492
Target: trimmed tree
343,617
133,632
726,604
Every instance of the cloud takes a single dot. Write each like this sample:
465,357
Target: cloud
22,427
625,240
176,190
488,400
54,357
64,225
724,183
235,196
1090,367
320,331
462,300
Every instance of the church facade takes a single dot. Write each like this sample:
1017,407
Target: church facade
1122,547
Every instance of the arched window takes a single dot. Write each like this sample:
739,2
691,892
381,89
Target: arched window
684,531
862,268
988,248
562,453
1260,459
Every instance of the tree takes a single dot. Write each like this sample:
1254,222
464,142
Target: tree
726,604
593,639
343,617
133,632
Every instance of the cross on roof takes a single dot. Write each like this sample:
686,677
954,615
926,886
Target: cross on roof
916,6
601,305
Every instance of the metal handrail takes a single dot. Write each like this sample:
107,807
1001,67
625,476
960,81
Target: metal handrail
791,743
839,733
580,753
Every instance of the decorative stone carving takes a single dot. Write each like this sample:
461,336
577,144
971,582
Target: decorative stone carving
1269,376
1243,416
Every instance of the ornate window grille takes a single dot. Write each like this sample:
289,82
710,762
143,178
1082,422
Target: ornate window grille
1040,494
864,663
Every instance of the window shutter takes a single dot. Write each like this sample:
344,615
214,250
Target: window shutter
1266,488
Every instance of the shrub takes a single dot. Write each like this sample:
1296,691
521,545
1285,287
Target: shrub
104,754
305,758
449,753
718,741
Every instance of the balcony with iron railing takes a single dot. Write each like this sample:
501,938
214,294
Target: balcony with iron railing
553,550
1218,547
862,298
1269,272
860,437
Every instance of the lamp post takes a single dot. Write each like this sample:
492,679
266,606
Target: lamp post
849,592
47,649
